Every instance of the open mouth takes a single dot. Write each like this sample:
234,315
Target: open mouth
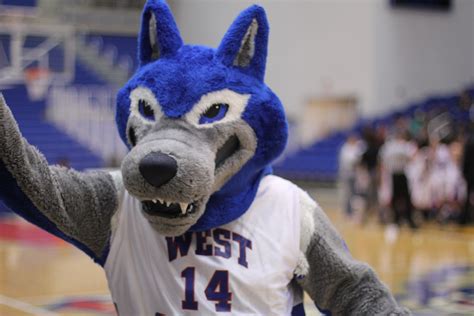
230,147
170,210
167,209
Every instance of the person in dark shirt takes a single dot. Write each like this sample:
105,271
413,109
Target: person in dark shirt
396,155
369,161
468,173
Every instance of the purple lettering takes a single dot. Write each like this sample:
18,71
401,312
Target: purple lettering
227,252
189,275
202,248
243,244
179,244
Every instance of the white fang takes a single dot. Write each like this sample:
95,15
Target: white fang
184,207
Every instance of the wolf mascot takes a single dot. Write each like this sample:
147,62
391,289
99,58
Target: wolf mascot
195,223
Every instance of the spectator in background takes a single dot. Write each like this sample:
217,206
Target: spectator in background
419,175
395,156
468,173
349,158
418,128
448,186
402,125
415,125
465,101
369,165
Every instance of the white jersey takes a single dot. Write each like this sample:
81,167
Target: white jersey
396,155
241,268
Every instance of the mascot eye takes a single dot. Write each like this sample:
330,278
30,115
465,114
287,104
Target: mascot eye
215,113
146,110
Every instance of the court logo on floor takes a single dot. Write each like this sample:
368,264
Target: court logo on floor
93,305
447,291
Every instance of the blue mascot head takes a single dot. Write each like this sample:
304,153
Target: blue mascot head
201,124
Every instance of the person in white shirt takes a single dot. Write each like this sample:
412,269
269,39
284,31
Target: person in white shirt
349,158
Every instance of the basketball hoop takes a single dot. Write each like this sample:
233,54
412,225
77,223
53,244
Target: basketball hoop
37,82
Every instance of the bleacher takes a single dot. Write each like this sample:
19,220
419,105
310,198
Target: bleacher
56,146
124,46
319,162
112,58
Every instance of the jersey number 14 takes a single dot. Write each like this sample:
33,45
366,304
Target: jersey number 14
217,290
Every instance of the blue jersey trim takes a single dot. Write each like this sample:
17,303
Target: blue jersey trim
298,310
323,311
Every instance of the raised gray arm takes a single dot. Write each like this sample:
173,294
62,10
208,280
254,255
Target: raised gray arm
333,279
74,206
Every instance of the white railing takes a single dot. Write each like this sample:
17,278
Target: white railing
87,113
106,61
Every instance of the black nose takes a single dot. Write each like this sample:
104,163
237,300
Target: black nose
158,168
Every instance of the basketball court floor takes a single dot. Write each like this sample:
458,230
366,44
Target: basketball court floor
430,270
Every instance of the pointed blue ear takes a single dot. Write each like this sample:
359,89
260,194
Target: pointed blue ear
159,35
245,44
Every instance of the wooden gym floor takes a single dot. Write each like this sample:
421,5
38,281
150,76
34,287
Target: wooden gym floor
430,270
